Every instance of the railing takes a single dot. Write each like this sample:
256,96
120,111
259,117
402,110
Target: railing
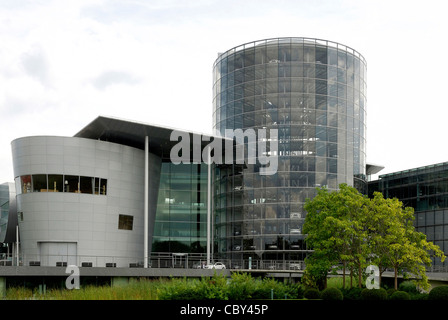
163,260
157,260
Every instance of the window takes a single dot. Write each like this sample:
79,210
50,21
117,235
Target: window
100,186
25,184
55,183
85,185
125,222
71,183
60,183
40,183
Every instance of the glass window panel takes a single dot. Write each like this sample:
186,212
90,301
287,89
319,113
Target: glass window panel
101,186
321,55
342,59
272,86
25,183
239,58
438,233
55,183
125,222
284,53
342,76
86,184
249,57
332,88
332,57
40,183
260,72
297,70
309,86
430,218
420,219
231,63
342,94
272,53
321,71
284,85
309,53
71,183
297,52
430,233
260,54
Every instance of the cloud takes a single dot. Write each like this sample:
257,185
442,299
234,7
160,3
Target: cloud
110,78
36,64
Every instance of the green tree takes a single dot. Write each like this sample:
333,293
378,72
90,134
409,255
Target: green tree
335,229
346,227
385,221
394,242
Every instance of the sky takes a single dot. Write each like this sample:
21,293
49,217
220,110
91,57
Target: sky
64,63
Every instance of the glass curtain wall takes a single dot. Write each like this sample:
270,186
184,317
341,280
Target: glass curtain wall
314,93
181,217
426,190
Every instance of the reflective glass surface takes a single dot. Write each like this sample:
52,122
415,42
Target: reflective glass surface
426,190
314,93
181,217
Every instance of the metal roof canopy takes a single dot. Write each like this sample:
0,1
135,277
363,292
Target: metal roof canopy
373,168
131,133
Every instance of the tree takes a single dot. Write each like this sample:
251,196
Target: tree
394,242
385,220
346,227
335,230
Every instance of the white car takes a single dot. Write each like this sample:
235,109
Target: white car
217,265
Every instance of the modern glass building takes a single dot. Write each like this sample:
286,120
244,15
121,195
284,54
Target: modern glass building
426,190
8,221
111,195
313,92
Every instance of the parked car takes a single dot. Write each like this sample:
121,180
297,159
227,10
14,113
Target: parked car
295,215
217,265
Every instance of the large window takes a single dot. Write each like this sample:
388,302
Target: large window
61,183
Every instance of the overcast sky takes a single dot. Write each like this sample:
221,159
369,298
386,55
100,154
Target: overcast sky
63,63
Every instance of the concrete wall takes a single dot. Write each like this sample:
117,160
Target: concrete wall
90,221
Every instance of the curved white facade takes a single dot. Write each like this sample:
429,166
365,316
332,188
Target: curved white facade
99,221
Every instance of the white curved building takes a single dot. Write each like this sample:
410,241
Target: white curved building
80,201
85,200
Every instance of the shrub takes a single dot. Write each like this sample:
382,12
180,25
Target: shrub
187,289
420,296
374,294
241,287
178,289
352,293
408,286
391,291
214,288
311,293
400,295
294,291
438,293
332,294
268,286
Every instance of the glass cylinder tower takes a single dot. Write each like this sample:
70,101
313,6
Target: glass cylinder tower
314,93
